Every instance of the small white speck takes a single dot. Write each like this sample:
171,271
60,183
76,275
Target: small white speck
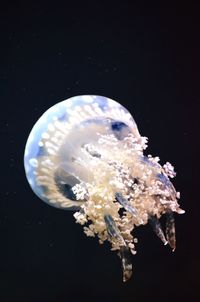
87,98
45,135
51,127
33,162
51,151
52,201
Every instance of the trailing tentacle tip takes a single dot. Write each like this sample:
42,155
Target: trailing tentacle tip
170,230
156,225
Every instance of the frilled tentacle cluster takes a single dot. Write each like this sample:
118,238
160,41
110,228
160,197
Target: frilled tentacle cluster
128,190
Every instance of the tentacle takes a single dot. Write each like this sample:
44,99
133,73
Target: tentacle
155,223
125,203
126,262
170,230
124,252
113,230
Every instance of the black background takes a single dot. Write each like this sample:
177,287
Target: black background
147,58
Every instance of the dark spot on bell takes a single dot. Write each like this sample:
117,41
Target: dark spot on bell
118,126
66,190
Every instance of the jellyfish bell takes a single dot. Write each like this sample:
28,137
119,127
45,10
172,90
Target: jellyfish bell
86,154
54,147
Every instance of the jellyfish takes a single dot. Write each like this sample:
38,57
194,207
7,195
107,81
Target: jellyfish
85,154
